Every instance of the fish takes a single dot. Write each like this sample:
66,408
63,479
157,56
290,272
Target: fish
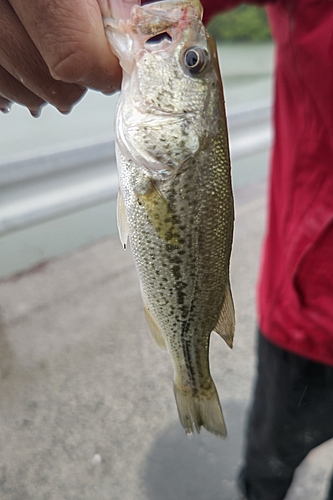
175,203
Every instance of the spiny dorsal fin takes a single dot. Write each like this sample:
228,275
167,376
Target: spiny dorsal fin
225,326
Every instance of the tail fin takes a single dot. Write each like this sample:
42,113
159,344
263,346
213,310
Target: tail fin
200,411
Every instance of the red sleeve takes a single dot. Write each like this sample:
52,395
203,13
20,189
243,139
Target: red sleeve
213,7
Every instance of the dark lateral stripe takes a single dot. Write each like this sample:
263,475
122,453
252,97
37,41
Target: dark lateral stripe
191,373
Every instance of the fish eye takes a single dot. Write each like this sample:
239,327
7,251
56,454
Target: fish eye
195,60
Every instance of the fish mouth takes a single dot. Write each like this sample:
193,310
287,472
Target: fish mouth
155,23
158,27
160,24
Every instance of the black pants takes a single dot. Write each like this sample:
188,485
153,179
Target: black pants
292,413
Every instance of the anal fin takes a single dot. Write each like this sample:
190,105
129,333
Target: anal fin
225,326
154,328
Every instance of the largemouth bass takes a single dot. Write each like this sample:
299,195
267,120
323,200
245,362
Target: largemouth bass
175,200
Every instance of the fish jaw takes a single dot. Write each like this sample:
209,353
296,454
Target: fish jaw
134,32
158,93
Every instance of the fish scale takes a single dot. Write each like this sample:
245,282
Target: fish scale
175,200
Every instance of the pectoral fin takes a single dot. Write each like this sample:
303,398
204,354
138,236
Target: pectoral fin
154,328
160,214
122,220
225,326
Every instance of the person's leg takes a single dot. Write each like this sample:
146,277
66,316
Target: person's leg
291,414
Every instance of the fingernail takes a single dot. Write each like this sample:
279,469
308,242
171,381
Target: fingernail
35,112
6,109
109,92
65,111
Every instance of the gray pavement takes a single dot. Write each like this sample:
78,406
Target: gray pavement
86,402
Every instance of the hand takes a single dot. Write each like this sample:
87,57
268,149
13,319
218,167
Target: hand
51,51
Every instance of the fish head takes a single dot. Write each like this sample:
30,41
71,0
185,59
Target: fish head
171,84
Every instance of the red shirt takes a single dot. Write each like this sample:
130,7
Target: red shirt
295,291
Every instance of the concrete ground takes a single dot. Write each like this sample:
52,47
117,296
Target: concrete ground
86,401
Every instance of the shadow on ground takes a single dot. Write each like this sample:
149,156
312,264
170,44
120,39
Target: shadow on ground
198,467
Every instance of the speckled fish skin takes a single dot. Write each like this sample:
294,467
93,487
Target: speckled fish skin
175,201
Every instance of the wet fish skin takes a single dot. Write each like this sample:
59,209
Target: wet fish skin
175,200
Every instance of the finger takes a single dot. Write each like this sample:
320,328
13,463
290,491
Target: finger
13,90
70,36
5,104
117,10
20,58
